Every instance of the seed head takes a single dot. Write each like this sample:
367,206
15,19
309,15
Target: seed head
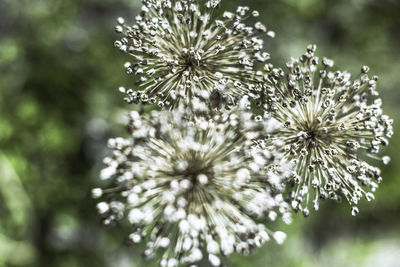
180,50
194,188
331,125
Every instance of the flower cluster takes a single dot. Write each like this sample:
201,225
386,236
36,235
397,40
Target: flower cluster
330,124
203,176
195,186
180,51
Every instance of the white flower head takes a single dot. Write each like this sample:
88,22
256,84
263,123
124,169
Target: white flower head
180,51
331,125
195,184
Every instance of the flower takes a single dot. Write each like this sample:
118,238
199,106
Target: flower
331,123
180,50
190,185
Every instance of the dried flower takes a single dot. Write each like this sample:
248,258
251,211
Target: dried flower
180,50
195,186
331,123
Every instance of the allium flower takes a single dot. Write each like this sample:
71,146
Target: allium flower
195,188
180,50
330,125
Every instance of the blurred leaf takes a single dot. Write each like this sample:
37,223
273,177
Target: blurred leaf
15,197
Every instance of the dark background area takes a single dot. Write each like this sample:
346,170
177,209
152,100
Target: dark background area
59,102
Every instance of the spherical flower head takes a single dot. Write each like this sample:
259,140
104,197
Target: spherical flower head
195,187
331,124
180,50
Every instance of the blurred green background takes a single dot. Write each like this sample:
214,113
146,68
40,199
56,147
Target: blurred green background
59,102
